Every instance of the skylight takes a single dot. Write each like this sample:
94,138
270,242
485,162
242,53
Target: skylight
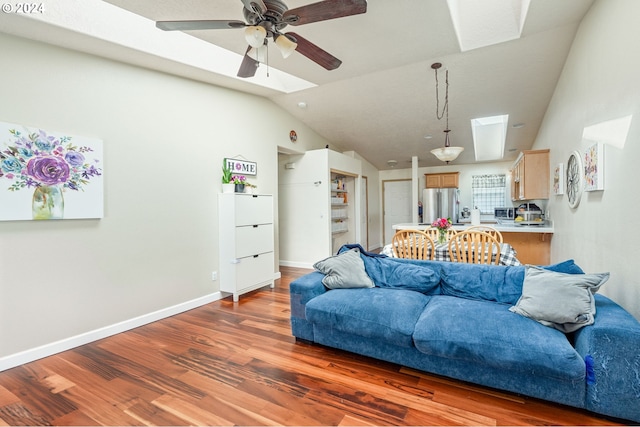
483,23
489,134
103,21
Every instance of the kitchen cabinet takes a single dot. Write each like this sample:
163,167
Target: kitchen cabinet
530,176
246,242
441,180
531,248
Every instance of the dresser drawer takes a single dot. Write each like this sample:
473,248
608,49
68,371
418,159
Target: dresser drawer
253,209
253,240
254,269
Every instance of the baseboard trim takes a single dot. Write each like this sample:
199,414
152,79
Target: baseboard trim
296,264
36,353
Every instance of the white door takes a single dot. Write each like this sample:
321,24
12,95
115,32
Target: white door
396,205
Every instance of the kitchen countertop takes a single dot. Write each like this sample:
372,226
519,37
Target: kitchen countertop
503,228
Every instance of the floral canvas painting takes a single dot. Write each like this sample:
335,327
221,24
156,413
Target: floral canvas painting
49,175
594,168
558,180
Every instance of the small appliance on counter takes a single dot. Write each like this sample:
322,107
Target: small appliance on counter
465,213
504,215
529,214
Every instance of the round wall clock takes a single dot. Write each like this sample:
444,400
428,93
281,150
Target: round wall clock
575,179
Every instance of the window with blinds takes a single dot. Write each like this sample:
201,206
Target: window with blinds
489,192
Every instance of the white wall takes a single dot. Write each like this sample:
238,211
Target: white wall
164,140
600,82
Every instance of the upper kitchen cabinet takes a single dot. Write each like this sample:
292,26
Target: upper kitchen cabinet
441,180
530,176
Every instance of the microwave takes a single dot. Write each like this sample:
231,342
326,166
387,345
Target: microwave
504,213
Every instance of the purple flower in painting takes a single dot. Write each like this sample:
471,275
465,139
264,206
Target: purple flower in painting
74,158
39,159
48,170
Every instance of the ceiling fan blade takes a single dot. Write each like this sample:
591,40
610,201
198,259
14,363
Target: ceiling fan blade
314,53
248,66
198,25
321,11
256,6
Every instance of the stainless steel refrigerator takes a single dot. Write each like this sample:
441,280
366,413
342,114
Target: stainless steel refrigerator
440,203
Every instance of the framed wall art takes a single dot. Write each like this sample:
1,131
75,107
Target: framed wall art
558,180
49,175
594,167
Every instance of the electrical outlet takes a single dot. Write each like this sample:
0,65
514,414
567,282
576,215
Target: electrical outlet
214,276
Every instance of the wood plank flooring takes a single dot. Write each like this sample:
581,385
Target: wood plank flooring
238,364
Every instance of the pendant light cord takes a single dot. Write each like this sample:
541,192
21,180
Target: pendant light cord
445,107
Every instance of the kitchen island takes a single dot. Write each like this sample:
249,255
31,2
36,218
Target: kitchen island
531,242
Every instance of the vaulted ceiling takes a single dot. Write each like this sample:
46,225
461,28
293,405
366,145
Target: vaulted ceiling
381,101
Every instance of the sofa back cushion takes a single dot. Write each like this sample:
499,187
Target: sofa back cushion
410,275
497,283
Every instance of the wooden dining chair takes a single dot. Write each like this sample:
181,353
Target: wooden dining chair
433,232
413,244
487,229
474,247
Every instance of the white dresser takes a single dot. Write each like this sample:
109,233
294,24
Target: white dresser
246,242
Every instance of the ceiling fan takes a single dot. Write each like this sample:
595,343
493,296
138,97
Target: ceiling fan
266,18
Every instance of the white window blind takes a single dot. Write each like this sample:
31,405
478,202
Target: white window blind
489,192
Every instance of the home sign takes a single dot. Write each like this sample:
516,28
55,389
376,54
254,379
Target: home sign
242,166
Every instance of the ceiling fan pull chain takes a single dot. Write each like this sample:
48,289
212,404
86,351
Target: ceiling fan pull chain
267,45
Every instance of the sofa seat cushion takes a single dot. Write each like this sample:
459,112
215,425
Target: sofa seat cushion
488,333
379,313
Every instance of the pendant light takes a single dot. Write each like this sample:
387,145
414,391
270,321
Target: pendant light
446,153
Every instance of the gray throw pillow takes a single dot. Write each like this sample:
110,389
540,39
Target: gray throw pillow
344,271
559,300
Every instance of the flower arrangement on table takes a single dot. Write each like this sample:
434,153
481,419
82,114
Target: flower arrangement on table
442,224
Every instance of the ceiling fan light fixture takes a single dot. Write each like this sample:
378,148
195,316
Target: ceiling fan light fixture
258,53
255,35
285,45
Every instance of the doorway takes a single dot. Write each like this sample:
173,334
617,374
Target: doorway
396,205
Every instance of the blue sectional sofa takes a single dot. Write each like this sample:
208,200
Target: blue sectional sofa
462,321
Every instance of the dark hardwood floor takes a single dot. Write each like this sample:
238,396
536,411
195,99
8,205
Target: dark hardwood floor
226,364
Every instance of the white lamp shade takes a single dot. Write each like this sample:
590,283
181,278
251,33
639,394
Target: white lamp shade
258,53
285,45
255,35
447,154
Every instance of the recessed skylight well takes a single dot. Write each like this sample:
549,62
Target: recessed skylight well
489,134
483,23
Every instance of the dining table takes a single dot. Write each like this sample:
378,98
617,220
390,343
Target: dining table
507,253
